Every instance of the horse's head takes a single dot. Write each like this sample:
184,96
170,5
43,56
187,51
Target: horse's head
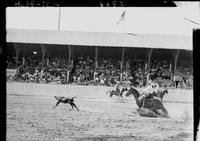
128,93
133,91
112,93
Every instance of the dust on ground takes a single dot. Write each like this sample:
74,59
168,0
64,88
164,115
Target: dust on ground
31,117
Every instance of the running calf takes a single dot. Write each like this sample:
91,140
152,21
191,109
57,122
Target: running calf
65,100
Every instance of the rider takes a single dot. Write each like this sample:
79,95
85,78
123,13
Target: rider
121,87
151,89
118,87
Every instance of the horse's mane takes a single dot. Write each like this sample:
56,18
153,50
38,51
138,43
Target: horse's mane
134,90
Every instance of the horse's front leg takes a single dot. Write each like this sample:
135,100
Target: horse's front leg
107,91
144,99
121,94
161,96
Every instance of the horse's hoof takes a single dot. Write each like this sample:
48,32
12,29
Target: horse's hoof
162,114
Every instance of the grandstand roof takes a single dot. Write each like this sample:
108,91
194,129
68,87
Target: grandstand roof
99,39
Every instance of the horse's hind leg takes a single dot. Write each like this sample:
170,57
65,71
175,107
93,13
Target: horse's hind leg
56,104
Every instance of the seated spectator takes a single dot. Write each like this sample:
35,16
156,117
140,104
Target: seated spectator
84,72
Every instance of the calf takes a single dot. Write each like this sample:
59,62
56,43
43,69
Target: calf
65,100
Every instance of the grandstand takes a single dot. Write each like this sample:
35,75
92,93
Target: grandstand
130,55
97,45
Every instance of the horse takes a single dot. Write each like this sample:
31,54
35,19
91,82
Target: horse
65,100
136,95
149,104
113,92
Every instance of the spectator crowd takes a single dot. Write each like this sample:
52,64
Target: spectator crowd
83,71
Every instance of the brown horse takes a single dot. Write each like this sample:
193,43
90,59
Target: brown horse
150,104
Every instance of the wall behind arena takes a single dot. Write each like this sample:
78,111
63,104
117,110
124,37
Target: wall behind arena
86,92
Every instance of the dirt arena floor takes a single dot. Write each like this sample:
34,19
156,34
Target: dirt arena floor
30,116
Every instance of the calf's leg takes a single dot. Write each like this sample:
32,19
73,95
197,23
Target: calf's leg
73,105
56,104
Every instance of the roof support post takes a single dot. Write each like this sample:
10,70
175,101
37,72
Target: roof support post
145,67
23,62
69,61
170,67
176,59
149,58
23,49
96,57
170,70
47,61
69,56
44,51
96,62
121,67
17,50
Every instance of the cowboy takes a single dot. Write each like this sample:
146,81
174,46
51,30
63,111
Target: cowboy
150,90
118,87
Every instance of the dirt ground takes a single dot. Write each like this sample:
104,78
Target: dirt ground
30,117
